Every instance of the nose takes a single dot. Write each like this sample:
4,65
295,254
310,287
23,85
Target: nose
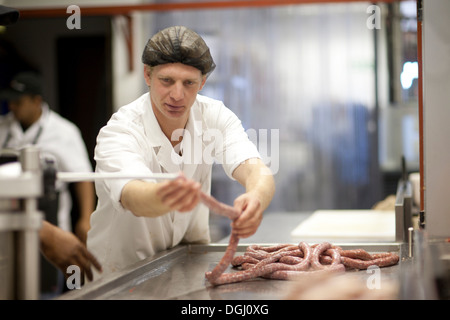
177,92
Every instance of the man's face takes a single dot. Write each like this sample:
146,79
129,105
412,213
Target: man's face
173,89
26,109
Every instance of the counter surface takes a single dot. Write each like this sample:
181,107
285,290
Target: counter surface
276,227
179,273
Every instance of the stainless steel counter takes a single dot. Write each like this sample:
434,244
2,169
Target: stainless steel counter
179,273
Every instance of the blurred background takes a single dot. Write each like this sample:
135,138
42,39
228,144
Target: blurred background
337,98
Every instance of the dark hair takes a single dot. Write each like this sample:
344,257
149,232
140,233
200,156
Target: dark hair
178,44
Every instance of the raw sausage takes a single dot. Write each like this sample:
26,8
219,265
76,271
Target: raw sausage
225,261
285,261
231,213
355,254
219,207
319,250
269,266
386,260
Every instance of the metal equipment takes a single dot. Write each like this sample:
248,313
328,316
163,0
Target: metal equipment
20,222
25,186
403,210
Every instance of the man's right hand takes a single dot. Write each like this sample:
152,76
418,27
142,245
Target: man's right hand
148,199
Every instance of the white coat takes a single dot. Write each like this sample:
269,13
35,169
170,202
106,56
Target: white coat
56,138
132,142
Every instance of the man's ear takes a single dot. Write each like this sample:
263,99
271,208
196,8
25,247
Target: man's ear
203,82
147,74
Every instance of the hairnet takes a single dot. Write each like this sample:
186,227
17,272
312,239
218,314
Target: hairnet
178,44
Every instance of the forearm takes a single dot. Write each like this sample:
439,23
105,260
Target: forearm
142,200
86,198
46,235
257,178
260,188
155,199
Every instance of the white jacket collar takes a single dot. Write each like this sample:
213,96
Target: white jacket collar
166,155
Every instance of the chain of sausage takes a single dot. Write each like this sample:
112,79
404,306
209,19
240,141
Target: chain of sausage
285,261
231,213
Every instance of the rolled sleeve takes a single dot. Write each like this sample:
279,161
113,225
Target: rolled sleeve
119,150
237,147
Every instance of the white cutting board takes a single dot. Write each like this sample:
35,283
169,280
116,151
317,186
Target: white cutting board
348,225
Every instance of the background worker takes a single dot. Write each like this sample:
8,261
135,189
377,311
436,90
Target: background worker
31,122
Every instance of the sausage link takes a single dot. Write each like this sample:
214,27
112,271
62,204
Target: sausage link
285,261
266,267
293,275
231,213
356,254
319,250
240,260
218,207
225,261
381,255
385,261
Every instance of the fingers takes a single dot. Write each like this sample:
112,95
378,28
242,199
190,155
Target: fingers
180,194
250,219
86,262
91,261
245,229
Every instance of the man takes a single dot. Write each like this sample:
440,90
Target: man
31,122
61,248
171,129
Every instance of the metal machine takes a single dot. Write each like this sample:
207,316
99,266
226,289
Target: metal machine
28,185
20,222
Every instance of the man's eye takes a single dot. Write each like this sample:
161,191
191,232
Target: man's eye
190,83
165,80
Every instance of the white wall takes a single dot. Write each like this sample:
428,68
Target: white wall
436,40
35,40
127,84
